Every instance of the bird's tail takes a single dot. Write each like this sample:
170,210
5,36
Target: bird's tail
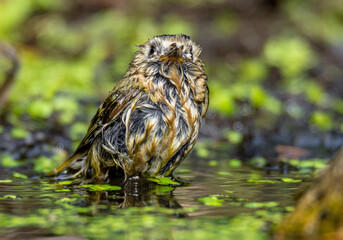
70,168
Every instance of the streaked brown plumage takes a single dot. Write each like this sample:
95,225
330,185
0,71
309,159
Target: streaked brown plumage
150,121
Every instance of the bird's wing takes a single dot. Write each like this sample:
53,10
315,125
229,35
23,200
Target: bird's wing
118,99
205,103
114,104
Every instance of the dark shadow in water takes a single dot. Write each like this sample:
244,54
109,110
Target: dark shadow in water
134,192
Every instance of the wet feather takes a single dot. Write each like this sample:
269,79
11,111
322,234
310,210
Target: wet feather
151,120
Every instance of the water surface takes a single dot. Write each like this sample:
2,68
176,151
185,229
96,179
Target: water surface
217,201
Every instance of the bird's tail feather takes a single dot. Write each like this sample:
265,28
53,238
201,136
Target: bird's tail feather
73,163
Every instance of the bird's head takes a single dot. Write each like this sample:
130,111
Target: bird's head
168,49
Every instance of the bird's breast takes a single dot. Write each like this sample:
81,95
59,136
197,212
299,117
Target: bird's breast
157,130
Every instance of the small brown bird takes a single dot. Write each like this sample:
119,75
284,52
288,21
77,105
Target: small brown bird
150,121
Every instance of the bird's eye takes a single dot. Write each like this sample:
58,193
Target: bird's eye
152,50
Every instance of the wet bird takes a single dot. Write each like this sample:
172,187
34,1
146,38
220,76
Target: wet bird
150,121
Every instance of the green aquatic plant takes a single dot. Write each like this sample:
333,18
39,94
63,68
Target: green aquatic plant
8,161
291,54
19,175
261,181
96,187
261,204
163,181
290,180
212,200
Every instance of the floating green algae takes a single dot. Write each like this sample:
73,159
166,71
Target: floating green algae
290,180
212,200
164,181
105,187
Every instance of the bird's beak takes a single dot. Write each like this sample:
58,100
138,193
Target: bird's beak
173,55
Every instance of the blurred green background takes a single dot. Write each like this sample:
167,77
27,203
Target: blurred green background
272,65
275,72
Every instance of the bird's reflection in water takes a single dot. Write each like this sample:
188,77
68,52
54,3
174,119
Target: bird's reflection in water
134,193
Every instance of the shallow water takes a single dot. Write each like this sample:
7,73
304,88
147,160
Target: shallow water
219,202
